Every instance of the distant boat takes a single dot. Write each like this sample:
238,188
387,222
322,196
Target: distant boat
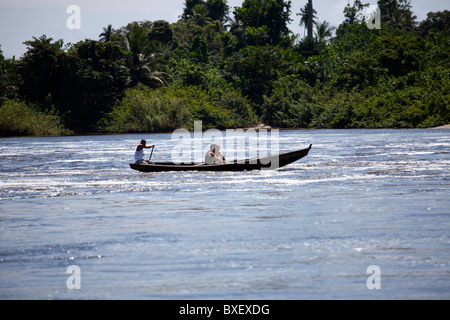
269,162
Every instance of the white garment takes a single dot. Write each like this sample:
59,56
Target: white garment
211,157
139,155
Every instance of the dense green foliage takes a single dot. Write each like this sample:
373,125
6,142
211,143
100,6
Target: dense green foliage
81,83
17,119
158,76
146,110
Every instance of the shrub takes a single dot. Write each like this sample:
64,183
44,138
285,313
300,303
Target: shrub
165,109
20,119
145,110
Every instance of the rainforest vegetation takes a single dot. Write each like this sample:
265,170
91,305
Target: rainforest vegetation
235,67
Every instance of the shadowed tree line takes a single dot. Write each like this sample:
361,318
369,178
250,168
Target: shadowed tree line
235,67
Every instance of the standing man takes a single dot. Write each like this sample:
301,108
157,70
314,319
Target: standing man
139,154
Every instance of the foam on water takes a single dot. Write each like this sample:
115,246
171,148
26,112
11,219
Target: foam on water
308,230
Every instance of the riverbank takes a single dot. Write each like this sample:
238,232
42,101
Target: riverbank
446,126
264,126
260,126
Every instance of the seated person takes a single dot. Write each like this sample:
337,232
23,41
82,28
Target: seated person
214,155
139,153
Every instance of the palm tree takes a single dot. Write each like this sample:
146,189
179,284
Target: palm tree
105,36
257,35
200,18
324,31
308,14
397,13
141,61
141,71
401,19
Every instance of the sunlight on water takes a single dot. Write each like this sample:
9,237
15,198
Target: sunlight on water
307,230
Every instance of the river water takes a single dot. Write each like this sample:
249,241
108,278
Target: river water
364,216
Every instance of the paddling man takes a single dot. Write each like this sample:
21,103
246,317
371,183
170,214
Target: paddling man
214,155
139,154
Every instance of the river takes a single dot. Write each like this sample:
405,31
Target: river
364,216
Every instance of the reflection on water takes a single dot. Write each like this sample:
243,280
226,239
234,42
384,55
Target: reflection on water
308,230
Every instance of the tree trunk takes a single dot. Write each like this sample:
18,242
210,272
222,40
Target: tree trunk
310,19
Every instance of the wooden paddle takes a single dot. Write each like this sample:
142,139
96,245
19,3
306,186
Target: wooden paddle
151,153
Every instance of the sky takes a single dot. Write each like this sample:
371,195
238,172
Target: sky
21,20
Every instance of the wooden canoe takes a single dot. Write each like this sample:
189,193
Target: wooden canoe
270,162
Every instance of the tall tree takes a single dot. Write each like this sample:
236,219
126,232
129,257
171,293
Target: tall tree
39,68
205,11
274,14
353,13
324,31
105,36
95,78
435,22
308,16
254,70
397,13
96,82
217,9
310,19
9,78
190,6
140,59
161,32
81,83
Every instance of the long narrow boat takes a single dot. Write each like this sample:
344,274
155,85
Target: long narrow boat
269,162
